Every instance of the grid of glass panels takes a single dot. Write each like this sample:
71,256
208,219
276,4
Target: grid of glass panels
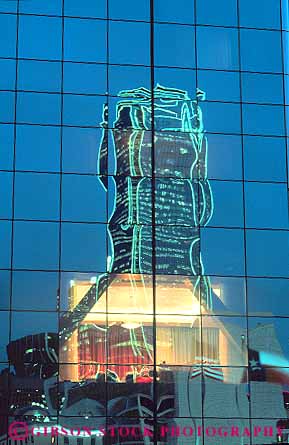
128,343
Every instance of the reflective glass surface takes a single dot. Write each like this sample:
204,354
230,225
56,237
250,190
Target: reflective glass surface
144,233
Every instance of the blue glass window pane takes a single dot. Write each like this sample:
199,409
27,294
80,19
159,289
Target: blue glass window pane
5,242
29,323
127,78
222,251
261,51
5,277
268,296
6,180
5,327
182,11
129,10
10,6
217,48
263,120
7,35
82,110
229,149
40,37
25,290
52,7
230,292
267,253
85,40
175,45
220,85
228,204
80,148
38,108
37,196
259,13
221,12
36,245
177,78
28,140
39,76
129,42
7,109
8,70
83,199
262,88
89,241
86,78
266,205
221,117
7,146
86,8
264,159
269,335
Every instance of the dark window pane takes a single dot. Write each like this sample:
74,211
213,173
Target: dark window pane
35,291
36,245
89,241
5,241
5,277
37,196
29,323
83,199
4,320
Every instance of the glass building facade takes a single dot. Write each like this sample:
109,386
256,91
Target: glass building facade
144,259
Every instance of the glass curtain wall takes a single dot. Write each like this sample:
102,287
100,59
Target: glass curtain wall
144,273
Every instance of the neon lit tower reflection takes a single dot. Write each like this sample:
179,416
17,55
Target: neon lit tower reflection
182,193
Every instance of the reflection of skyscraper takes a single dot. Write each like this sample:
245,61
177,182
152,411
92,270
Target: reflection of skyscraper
180,192
180,189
